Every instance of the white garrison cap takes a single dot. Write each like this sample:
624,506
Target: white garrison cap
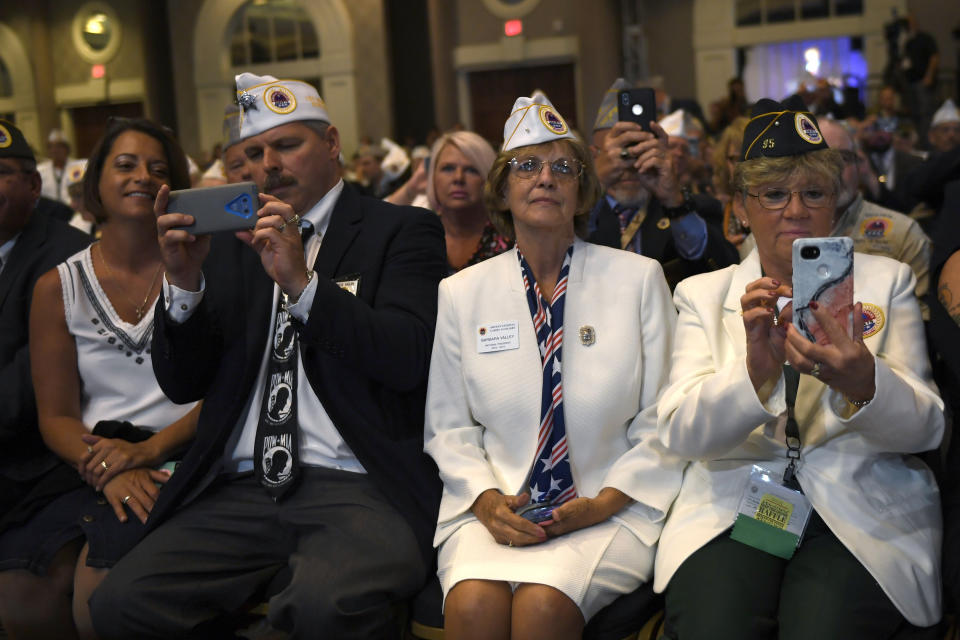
607,114
680,124
231,126
532,121
56,135
946,113
266,102
396,161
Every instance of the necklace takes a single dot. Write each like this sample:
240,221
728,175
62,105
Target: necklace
139,307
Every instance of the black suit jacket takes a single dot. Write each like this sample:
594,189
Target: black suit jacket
366,356
43,244
657,238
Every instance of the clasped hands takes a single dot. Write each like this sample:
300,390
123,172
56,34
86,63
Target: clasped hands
496,511
121,470
844,364
275,238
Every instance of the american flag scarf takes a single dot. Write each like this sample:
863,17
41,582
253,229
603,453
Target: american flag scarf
551,480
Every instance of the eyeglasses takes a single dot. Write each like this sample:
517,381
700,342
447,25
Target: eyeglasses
776,198
530,167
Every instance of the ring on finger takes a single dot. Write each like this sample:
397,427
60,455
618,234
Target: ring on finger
126,499
624,154
815,371
283,225
89,449
103,463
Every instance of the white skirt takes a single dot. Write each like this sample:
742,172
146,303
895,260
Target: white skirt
590,566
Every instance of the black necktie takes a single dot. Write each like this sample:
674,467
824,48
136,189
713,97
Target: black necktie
275,458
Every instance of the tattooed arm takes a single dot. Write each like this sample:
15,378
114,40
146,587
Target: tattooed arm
948,286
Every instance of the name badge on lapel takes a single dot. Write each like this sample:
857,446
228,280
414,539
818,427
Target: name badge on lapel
350,283
498,336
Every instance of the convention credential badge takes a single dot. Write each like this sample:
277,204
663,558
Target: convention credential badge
771,517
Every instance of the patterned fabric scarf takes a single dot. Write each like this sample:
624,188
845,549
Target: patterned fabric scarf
550,478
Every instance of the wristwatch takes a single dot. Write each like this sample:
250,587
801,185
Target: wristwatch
684,208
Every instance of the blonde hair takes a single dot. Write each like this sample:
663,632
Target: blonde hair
476,150
495,191
824,166
731,136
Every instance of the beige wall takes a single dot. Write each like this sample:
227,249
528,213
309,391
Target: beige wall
182,16
375,116
667,25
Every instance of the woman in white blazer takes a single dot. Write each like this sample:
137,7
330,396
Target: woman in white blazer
610,482
868,564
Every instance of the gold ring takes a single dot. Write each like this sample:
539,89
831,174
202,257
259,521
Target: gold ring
103,463
126,499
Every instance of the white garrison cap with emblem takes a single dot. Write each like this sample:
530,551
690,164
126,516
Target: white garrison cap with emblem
946,113
533,120
266,102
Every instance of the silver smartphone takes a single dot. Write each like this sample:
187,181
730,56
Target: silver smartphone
822,272
228,207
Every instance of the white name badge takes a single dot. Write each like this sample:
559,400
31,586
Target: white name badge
498,336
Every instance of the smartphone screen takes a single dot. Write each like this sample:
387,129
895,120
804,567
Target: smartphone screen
637,105
822,272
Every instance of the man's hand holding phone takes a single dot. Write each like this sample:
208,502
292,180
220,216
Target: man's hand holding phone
183,253
276,238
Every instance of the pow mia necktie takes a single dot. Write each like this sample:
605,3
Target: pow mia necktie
275,457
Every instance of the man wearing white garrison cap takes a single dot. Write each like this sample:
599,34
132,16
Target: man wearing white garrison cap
944,133
645,209
311,355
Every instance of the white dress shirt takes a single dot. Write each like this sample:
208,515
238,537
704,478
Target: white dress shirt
320,442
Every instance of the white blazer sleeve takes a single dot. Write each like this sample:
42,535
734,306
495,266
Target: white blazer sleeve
452,437
906,413
644,471
707,411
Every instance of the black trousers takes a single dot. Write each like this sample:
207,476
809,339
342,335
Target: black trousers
729,590
351,555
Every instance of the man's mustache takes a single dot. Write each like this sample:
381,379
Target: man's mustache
277,180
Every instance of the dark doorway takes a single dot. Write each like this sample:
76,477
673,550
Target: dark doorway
493,92
89,122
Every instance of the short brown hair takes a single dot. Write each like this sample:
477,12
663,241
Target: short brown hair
495,191
825,165
179,174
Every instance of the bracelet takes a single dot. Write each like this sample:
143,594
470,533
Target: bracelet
292,300
859,404
685,207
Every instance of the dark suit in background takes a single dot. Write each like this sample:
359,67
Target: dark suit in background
43,243
657,241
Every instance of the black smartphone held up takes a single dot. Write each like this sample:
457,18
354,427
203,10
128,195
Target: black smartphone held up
637,105
228,207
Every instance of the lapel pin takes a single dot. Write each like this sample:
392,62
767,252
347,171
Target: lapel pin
587,335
